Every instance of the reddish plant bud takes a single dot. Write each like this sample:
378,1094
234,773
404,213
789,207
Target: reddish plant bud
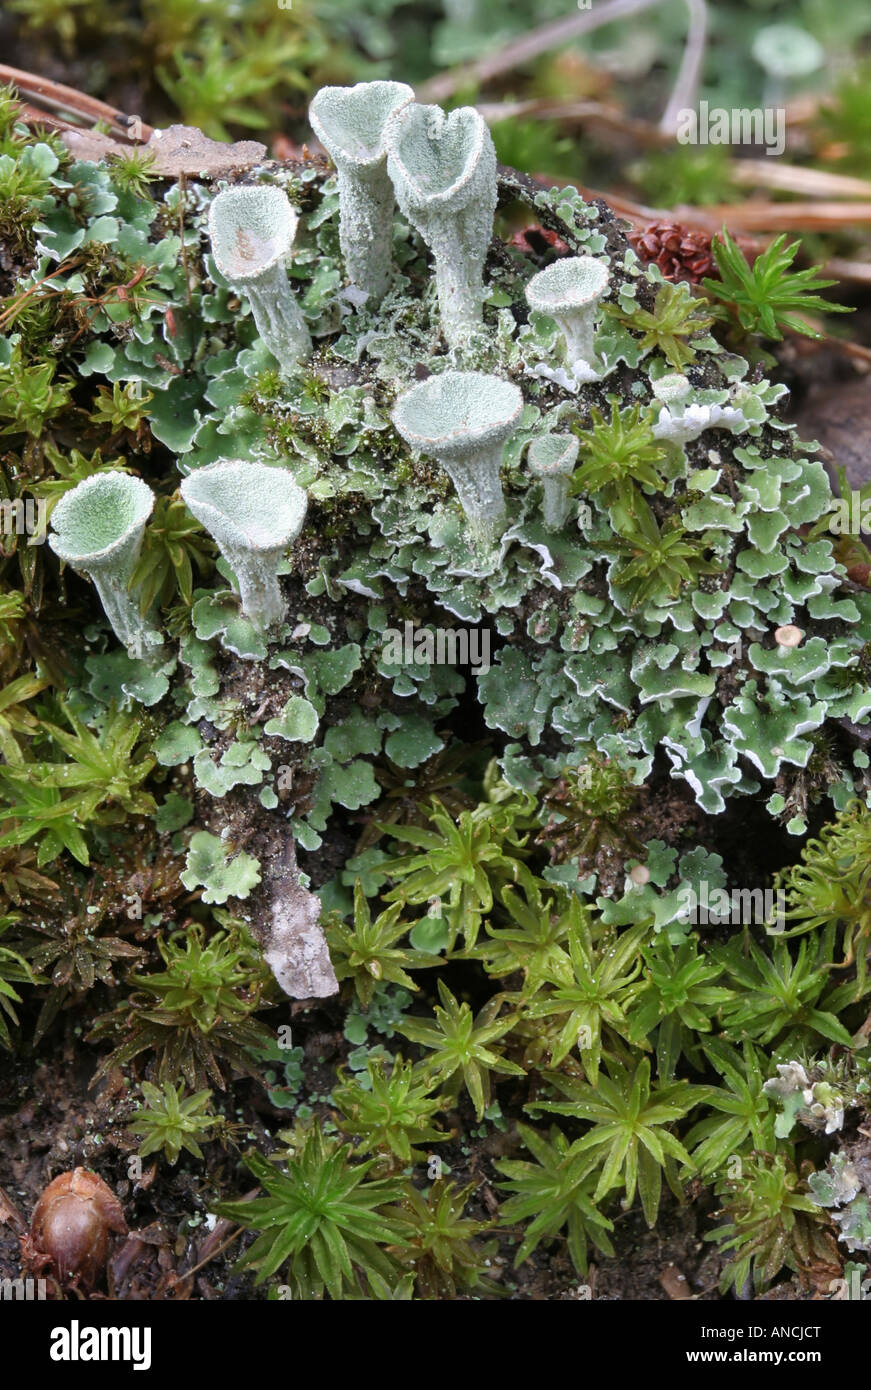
72,1222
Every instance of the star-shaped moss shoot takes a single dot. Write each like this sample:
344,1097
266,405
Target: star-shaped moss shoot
254,513
98,529
443,169
463,420
252,230
349,122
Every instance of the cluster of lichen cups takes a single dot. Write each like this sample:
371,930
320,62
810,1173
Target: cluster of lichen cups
253,512
350,124
441,171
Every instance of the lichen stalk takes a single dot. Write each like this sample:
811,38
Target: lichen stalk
349,122
444,171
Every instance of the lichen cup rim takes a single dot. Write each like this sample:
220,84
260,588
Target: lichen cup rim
368,153
274,247
465,435
789,636
785,50
248,537
560,453
398,126
671,386
128,488
554,289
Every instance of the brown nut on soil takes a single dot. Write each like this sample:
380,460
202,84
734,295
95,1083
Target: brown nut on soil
71,1224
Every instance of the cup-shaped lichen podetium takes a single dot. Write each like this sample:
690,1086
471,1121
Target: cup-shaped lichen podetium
98,529
252,230
254,513
463,420
569,292
552,458
443,168
349,122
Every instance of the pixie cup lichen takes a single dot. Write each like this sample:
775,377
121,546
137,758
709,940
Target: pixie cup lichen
569,292
252,231
349,122
97,530
443,169
552,458
254,513
463,420
672,387
788,638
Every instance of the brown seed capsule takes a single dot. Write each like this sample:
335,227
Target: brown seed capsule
71,1224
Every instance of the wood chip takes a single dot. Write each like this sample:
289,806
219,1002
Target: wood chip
182,149
297,951
292,939
177,150
92,146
